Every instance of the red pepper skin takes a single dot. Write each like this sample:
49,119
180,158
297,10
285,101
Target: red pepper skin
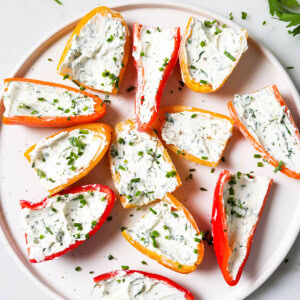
219,230
188,294
111,197
140,71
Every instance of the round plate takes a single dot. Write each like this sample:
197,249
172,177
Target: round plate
280,221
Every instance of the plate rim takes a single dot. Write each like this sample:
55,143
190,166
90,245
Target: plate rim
54,34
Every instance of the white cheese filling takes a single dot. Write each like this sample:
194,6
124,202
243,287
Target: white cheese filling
95,57
144,174
31,99
154,49
65,220
197,133
167,232
60,158
269,124
243,198
212,51
136,286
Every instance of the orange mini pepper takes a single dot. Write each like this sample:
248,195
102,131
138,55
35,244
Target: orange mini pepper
102,132
181,152
165,261
104,11
52,120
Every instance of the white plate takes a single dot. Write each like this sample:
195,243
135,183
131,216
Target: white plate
280,221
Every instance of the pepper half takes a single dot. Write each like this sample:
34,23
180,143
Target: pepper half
188,295
55,121
222,245
110,197
166,70
160,121
163,260
101,131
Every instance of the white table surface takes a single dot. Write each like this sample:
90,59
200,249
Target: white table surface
24,23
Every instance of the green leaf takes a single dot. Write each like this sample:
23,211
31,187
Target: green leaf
290,3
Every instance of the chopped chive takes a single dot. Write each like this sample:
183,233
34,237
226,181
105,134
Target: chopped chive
83,131
244,15
131,88
279,167
153,211
197,240
110,39
193,116
212,170
110,257
165,227
138,193
179,266
231,191
125,267
154,233
135,180
140,153
193,67
161,69
51,180
203,44
49,230
196,251
142,53
54,209
203,81
203,189
289,68
167,237
94,223
231,16
174,214
260,164
77,269
148,31
218,30
55,100
143,262
257,156
154,243
66,77
264,22
41,99
204,158
42,236
121,141
171,174
34,112
229,55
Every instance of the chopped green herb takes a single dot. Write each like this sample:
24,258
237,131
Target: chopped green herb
123,228
110,257
244,15
41,173
204,157
154,233
94,223
212,170
203,44
279,167
135,180
49,230
143,262
179,266
257,156
34,112
42,236
203,81
260,164
193,116
231,16
124,267
131,88
289,68
229,55
165,227
78,269
142,53
171,174
218,30
153,211
121,141
66,77
174,214
148,31
203,189
110,39
264,22
54,209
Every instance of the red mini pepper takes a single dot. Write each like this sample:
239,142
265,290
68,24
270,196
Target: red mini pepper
167,70
221,243
110,197
165,280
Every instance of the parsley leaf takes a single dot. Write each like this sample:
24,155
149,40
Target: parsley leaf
277,8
